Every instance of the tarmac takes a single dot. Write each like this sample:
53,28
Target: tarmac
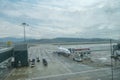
61,67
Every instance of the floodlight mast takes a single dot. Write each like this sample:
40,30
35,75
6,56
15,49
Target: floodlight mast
24,26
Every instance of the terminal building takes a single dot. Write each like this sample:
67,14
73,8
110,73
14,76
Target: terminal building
12,57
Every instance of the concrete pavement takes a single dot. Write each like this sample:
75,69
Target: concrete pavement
59,68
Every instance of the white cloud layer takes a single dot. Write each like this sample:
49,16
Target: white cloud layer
60,18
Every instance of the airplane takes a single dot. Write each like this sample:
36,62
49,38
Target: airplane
77,53
63,51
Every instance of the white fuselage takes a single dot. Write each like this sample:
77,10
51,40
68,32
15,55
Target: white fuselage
62,50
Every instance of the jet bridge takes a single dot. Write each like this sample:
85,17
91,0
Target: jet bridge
20,55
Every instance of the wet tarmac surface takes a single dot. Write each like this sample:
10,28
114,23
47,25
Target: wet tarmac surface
59,68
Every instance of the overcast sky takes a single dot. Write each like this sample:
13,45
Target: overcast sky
60,18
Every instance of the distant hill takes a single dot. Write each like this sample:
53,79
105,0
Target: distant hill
57,40
11,39
68,40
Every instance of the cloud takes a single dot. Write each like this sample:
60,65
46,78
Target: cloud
7,29
61,18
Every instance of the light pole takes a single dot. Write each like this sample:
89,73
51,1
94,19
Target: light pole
111,57
24,26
